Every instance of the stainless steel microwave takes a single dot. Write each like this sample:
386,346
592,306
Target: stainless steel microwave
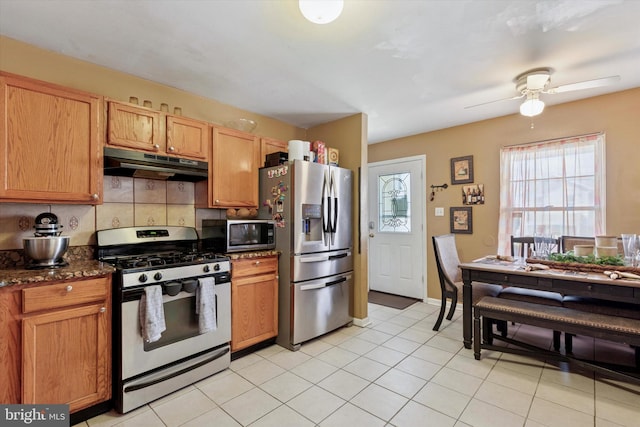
238,235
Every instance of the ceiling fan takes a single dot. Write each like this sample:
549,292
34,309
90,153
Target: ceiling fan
532,83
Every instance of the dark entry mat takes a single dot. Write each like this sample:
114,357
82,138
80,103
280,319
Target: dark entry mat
389,300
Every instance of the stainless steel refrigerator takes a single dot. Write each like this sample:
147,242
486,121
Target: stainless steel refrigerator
311,204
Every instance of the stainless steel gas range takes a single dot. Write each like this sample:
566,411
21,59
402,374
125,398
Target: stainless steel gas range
159,272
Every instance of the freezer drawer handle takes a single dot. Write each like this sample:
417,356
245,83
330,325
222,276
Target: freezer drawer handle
311,287
336,282
314,259
342,255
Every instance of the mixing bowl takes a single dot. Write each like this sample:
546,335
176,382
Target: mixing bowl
46,250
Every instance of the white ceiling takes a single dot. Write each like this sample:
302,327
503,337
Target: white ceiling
411,66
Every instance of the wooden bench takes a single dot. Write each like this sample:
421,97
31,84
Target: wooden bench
606,327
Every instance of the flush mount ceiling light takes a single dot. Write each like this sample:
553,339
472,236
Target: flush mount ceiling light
532,106
321,11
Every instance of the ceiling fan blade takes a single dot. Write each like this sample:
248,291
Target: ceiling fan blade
492,102
588,84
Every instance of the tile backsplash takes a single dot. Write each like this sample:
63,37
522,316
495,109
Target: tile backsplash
127,202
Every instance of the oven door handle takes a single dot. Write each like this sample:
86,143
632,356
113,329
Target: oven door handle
140,386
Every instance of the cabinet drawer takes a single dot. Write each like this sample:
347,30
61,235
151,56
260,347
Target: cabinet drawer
252,266
64,294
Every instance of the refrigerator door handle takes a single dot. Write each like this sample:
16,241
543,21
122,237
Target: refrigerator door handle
334,208
325,210
312,286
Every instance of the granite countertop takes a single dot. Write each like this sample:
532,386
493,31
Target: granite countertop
75,270
256,254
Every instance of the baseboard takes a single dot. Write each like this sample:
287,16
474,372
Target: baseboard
362,323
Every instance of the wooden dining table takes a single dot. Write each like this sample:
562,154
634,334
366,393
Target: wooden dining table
566,282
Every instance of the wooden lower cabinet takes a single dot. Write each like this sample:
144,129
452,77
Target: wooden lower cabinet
254,301
61,344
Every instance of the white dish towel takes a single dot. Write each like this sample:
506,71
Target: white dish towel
206,305
151,313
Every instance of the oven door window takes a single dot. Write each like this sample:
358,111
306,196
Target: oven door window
181,320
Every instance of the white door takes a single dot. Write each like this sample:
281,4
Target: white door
397,233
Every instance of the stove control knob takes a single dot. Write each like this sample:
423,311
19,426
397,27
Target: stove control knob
216,267
142,278
206,268
157,276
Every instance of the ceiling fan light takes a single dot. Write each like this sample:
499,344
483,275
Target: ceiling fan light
531,107
321,11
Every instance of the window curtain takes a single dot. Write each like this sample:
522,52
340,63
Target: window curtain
553,187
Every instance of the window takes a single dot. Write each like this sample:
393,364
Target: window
553,187
394,215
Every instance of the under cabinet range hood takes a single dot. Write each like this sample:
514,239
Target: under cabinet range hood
153,166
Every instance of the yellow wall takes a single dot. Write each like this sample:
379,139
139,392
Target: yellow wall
349,136
617,114
27,60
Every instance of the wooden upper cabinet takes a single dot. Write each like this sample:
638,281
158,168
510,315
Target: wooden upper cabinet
134,127
233,168
144,129
50,142
270,145
187,137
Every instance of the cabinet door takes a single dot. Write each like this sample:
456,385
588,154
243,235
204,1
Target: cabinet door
235,158
65,357
134,127
254,310
187,137
269,145
50,142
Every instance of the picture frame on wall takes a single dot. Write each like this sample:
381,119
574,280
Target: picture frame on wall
473,194
461,220
462,170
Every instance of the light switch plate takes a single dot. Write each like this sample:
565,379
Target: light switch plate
439,211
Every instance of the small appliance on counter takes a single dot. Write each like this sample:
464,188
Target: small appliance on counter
239,235
47,248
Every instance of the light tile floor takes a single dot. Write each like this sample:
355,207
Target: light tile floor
396,372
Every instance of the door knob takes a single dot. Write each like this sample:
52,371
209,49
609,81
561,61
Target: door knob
371,234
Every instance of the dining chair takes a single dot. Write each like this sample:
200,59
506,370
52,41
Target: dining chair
524,246
450,275
567,243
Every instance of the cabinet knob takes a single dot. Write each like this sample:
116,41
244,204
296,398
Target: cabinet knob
69,288
257,262
102,309
94,196
217,201
156,147
172,149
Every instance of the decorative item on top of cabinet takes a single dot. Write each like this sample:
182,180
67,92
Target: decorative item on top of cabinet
52,143
63,354
254,300
269,146
144,129
233,171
